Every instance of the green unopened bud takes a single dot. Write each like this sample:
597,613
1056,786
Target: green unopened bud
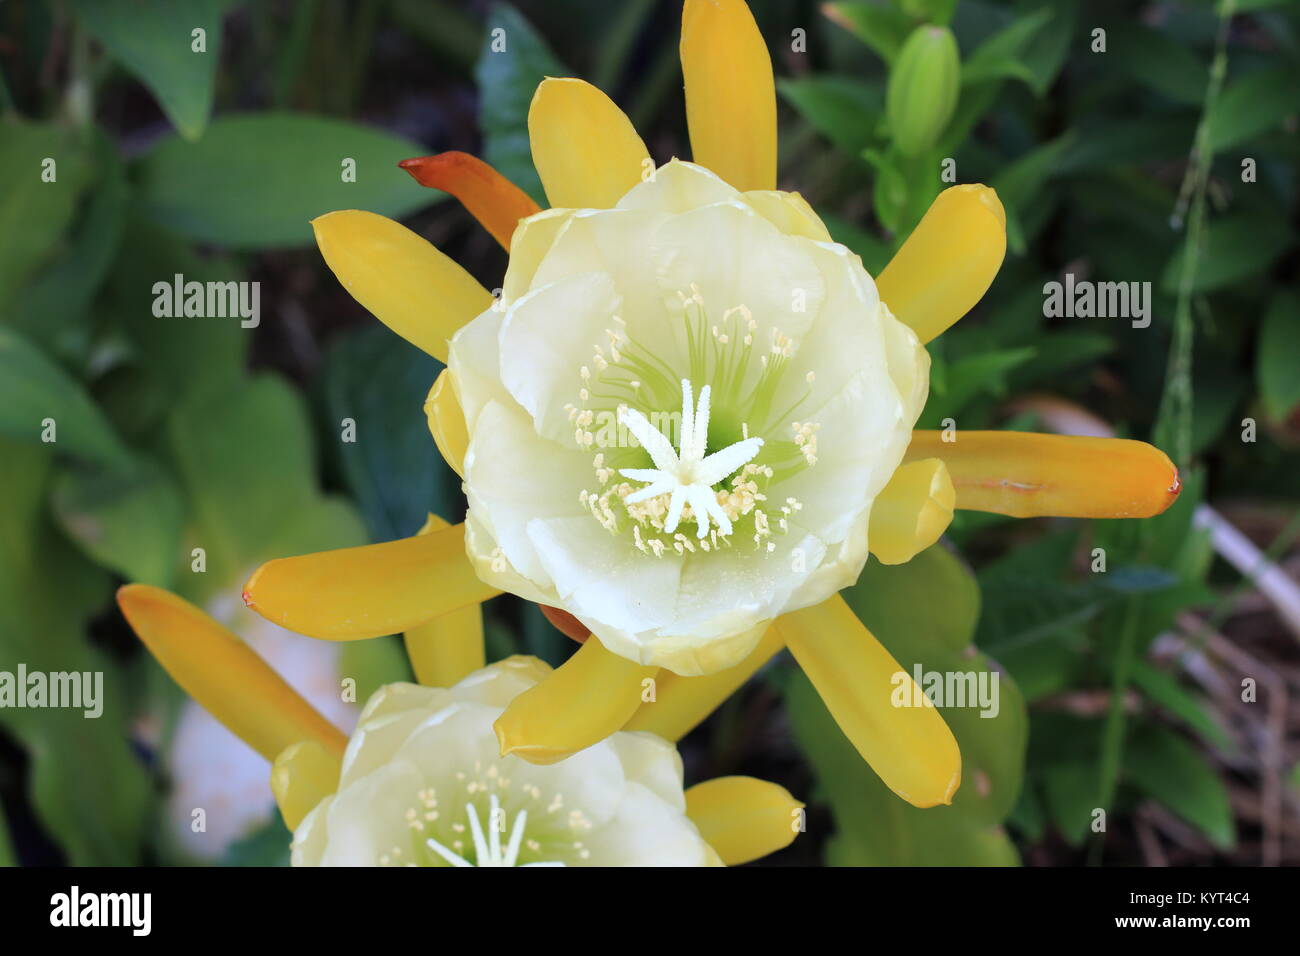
923,86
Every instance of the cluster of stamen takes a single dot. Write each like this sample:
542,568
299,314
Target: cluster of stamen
472,841
714,491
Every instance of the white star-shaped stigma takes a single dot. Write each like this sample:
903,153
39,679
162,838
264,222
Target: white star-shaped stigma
690,476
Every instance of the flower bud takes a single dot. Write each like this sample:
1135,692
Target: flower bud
923,86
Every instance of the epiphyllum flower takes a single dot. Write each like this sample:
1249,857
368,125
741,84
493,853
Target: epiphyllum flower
640,289
422,782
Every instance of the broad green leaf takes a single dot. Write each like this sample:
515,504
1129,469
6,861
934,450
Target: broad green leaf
244,456
873,826
39,399
843,109
1165,766
513,61
129,521
936,596
156,40
255,180
1251,105
34,213
391,466
181,356
1276,354
89,790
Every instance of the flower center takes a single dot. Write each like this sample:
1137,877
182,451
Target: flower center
688,477
720,471
497,825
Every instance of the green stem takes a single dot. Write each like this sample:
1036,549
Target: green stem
1174,421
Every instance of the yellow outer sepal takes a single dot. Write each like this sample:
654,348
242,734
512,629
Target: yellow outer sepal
586,150
450,647
1028,475
400,277
586,699
948,262
730,93
377,589
744,818
682,703
912,511
302,776
223,674
909,747
447,422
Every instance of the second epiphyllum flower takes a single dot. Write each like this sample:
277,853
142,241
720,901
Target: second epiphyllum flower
680,415
421,781
687,420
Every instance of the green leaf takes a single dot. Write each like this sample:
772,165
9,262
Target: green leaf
254,181
873,826
181,356
34,214
1275,356
33,390
88,788
1156,60
1019,182
1250,106
972,376
245,458
1164,689
51,308
1000,56
392,468
507,79
1236,247
1046,51
843,109
129,521
154,40
1165,766
879,26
